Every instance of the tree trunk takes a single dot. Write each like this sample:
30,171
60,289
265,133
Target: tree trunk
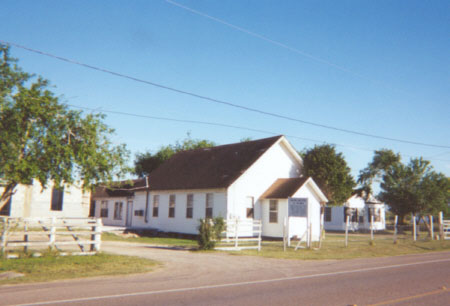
7,194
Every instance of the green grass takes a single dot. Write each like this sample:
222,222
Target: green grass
50,267
359,246
186,243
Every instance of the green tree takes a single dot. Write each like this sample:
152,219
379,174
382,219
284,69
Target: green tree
330,171
147,162
412,188
42,139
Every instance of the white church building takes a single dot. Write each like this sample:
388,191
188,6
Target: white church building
252,180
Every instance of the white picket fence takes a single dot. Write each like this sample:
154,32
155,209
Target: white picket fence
446,229
77,236
241,234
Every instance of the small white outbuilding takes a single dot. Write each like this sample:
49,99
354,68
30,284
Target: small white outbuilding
360,212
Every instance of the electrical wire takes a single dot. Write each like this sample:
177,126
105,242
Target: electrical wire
214,100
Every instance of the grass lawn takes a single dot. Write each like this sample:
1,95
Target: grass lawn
49,268
186,243
359,246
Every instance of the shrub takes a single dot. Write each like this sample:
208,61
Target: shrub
209,232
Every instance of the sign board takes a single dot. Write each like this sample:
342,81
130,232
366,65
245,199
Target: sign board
298,207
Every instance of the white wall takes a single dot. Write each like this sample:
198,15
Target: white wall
337,222
33,201
276,163
110,221
181,224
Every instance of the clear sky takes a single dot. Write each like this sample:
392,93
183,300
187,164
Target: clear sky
375,67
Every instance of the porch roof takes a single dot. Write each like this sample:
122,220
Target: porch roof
284,188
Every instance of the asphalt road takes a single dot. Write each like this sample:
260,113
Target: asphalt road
220,279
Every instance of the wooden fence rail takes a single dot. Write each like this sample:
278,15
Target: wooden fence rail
60,234
241,234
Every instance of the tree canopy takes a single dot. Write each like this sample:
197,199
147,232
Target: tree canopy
41,139
329,170
146,162
407,188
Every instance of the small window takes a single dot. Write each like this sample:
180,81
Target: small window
118,207
376,212
250,208
139,213
209,205
189,206
104,209
57,199
172,206
273,211
155,205
6,209
327,215
352,213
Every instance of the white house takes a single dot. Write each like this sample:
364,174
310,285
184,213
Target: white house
227,181
360,212
34,201
120,205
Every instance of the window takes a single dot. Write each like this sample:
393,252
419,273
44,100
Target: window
273,211
57,199
104,209
155,205
209,205
189,206
139,213
327,215
250,208
118,206
6,209
172,206
352,213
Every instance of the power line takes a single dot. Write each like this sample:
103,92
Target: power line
280,44
102,110
214,100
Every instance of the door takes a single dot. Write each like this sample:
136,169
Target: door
129,213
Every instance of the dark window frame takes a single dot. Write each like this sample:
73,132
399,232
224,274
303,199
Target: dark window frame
155,211
328,214
209,205
104,209
273,211
172,203
57,199
189,206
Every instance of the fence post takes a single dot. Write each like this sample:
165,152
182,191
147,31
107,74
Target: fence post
414,228
371,227
98,234
236,234
310,235
441,225
431,227
52,233
259,236
25,236
284,234
346,229
4,233
395,228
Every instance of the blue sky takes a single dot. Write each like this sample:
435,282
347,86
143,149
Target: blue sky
376,67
